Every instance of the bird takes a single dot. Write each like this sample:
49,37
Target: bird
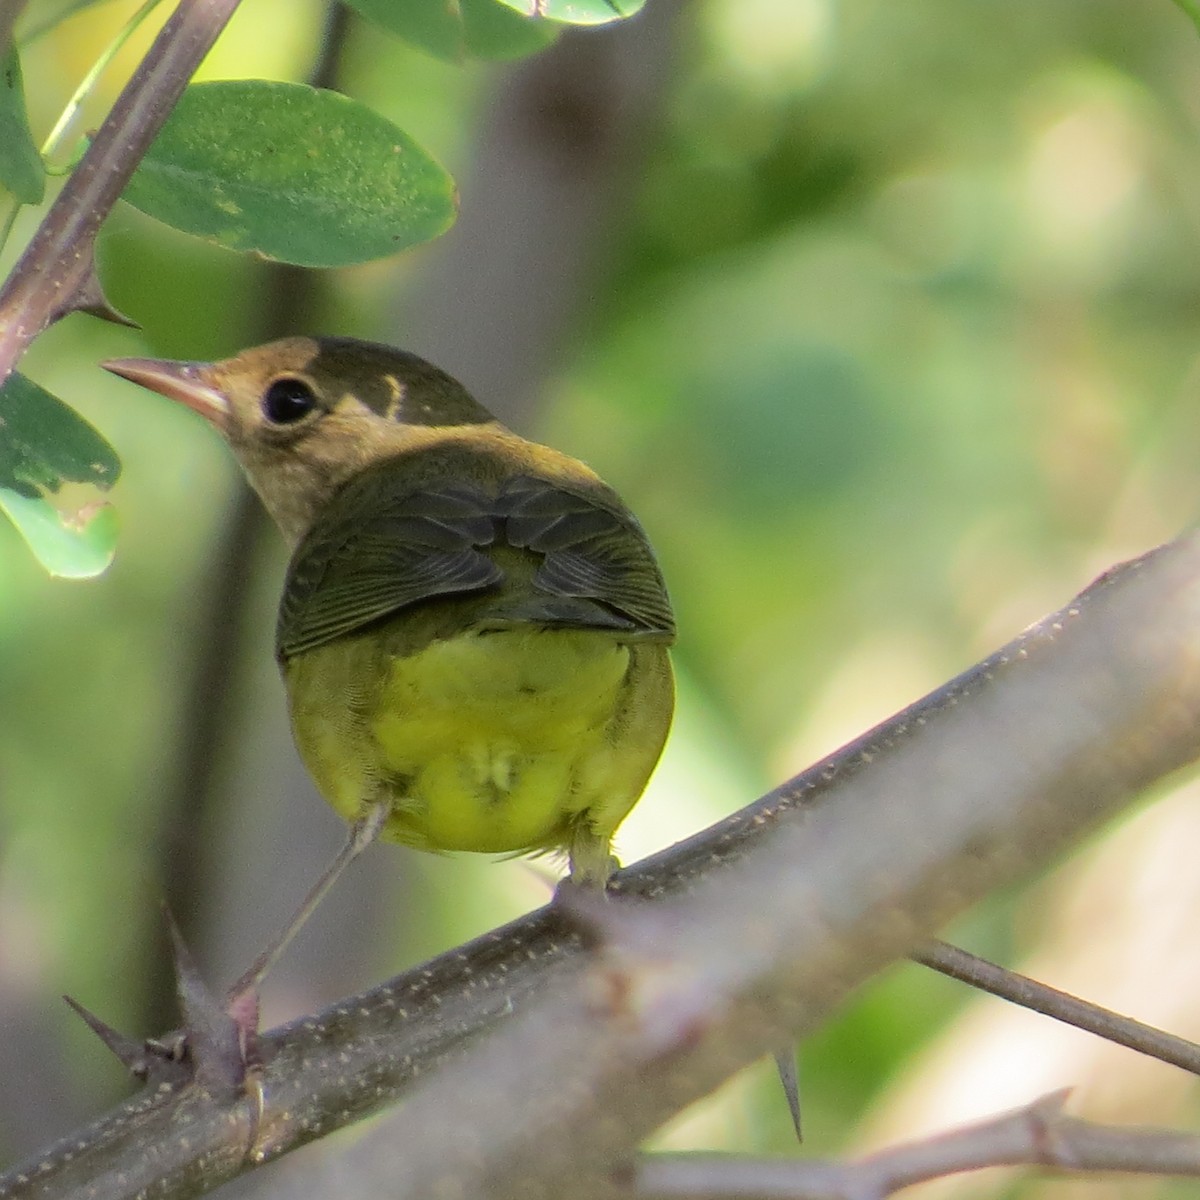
474,633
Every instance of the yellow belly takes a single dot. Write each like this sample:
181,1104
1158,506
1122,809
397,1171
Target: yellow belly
514,740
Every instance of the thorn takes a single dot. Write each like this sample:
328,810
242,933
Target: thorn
127,1051
106,312
215,1039
89,297
92,300
215,1048
150,1062
789,1076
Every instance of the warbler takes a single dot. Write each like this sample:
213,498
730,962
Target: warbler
473,631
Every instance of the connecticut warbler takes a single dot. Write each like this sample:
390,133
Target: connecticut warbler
473,631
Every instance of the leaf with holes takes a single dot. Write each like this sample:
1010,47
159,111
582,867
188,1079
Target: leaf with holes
46,448
77,545
293,173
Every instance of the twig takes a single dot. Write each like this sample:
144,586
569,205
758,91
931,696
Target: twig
1029,993
56,273
1037,1135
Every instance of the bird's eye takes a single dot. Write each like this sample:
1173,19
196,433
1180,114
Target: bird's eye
287,401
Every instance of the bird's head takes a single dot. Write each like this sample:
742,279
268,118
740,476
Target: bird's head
304,414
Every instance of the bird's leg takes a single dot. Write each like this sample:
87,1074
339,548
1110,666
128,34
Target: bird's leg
591,858
363,832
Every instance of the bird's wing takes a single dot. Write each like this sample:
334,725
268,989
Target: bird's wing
373,553
592,552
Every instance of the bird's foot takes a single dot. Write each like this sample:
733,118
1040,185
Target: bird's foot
216,1048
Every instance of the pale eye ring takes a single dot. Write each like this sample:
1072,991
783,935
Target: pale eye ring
288,400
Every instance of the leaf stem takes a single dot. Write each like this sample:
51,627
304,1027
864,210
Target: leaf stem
58,134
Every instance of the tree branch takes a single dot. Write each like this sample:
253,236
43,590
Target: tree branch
56,273
1062,1006
763,925
1037,1135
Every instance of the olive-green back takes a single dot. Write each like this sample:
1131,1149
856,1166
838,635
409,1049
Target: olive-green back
540,552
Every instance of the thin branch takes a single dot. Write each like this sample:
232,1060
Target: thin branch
56,273
1062,1006
790,905
1037,1135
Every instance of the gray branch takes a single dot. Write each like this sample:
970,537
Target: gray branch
606,1020
1062,1006
1040,1134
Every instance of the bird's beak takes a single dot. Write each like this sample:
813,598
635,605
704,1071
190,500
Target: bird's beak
188,382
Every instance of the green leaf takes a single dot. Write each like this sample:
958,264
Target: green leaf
579,12
76,545
298,174
21,169
459,29
45,444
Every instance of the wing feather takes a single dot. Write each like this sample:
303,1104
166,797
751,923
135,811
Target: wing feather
372,554
591,550
375,552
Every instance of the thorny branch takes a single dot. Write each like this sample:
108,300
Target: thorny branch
56,274
758,929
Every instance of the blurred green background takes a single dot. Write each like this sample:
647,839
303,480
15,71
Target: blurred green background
882,316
